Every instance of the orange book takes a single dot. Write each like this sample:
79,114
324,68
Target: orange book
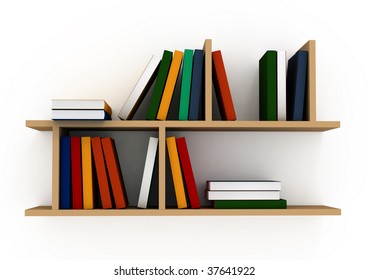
114,171
170,85
87,176
222,88
176,172
103,183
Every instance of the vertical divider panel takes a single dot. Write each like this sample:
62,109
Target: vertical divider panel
310,47
161,166
208,79
55,166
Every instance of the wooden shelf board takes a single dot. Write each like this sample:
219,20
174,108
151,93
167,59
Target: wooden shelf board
47,125
309,210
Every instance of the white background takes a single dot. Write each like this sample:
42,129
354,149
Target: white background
97,49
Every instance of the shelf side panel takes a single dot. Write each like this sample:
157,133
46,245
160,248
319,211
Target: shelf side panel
310,47
207,48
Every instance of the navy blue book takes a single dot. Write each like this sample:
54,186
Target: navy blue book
196,88
296,83
65,174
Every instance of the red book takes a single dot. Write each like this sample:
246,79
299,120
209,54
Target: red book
114,171
222,88
187,171
76,166
103,183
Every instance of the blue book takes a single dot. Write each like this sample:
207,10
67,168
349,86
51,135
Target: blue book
296,83
196,89
65,174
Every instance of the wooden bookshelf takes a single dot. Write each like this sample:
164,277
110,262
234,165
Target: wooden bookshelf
61,128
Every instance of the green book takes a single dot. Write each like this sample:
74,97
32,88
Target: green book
186,85
268,86
159,85
250,204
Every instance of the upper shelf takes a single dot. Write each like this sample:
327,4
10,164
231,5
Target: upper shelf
49,125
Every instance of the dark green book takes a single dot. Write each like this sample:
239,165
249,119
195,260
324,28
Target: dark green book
268,86
250,204
159,85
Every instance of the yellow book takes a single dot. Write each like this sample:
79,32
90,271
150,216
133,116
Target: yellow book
87,172
176,172
170,85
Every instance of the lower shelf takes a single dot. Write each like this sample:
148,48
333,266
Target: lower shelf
315,210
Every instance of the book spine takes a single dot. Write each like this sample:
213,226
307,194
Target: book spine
87,176
196,89
222,88
188,175
250,204
76,162
176,172
268,87
170,85
148,172
114,172
159,85
99,162
65,173
281,85
186,85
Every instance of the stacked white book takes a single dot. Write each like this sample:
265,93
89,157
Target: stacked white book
245,193
80,109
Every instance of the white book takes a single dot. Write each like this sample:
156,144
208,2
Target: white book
281,85
244,185
243,195
147,172
140,89
79,115
80,104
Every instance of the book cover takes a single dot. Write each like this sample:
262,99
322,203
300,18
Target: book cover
281,85
196,92
76,163
268,86
114,172
65,173
250,204
186,85
296,83
187,171
87,174
140,89
148,172
222,88
176,172
103,183
159,86
243,185
80,104
80,115
242,195
170,85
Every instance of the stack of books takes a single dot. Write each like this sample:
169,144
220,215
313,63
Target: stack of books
185,187
90,174
181,73
283,86
245,194
80,109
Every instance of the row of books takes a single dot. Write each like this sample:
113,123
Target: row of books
246,194
80,109
82,159
283,86
163,75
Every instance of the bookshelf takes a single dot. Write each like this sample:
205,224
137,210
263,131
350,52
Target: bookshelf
60,128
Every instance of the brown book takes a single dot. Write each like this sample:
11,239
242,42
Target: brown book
103,182
114,171
222,88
